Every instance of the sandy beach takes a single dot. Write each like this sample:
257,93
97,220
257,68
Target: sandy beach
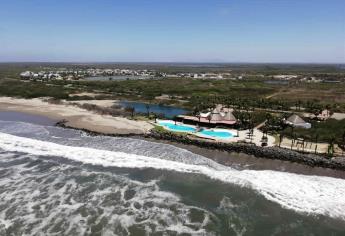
75,116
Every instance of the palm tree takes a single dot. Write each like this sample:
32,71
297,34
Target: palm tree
299,102
251,135
293,139
131,110
175,119
343,143
198,116
330,150
316,140
281,136
148,110
303,144
209,119
196,110
268,119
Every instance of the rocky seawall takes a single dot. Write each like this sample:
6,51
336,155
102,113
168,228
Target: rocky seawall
260,152
275,153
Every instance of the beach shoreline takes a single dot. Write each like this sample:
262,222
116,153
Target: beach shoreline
71,117
75,116
240,159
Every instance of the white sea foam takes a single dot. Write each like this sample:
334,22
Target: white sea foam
68,200
307,194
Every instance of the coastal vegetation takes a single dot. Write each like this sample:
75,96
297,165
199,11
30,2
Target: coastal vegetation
325,131
255,102
252,90
190,93
16,88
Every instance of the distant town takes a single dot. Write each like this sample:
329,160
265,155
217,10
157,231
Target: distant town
110,74
68,74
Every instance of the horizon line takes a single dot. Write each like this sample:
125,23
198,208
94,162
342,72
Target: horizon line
175,62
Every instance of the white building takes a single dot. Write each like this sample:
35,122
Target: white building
26,75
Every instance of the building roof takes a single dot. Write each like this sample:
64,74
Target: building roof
295,119
219,107
216,110
229,116
26,74
325,113
216,117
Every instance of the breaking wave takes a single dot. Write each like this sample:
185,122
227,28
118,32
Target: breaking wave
41,197
304,194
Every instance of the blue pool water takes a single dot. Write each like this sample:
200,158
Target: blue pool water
180,128
216,134
185,128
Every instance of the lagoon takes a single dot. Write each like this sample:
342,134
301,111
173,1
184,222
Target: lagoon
168,111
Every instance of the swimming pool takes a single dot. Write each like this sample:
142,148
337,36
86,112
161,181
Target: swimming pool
177,127
216,133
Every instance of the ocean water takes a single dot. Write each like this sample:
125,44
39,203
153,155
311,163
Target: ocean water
55,181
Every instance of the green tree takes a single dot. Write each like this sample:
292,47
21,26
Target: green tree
147,106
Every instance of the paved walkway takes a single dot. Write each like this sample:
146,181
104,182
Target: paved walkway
243,136
338,116
256,138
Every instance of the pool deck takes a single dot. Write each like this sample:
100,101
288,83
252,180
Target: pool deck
242,135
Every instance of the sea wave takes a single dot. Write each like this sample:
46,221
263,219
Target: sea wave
304,194
43,197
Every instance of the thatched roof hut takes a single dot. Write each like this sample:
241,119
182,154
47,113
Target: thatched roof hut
215,117
297,121
229,116
218,115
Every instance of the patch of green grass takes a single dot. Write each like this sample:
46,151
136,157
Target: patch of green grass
325,131
160,129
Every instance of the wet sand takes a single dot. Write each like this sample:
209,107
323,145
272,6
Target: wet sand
25,117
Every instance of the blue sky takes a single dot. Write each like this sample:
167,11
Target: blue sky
173,31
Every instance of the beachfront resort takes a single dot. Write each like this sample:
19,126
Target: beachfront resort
218,124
